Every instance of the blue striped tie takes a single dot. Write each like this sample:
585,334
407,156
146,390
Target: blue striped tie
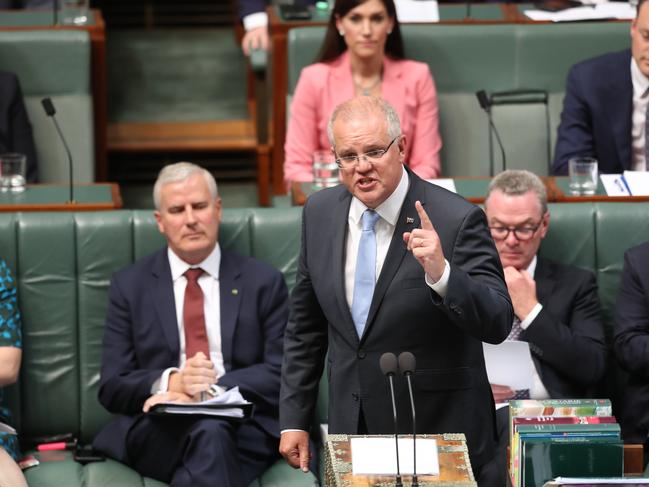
365,276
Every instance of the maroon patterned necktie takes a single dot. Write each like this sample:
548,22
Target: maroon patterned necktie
194,316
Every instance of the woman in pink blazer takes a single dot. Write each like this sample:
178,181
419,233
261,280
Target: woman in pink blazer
362,54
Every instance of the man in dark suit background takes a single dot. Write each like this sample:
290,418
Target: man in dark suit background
631,339
148,346
557,306
435,288
15,129
604,108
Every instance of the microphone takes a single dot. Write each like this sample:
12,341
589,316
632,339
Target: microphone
50,111
485,104
388,363
407,368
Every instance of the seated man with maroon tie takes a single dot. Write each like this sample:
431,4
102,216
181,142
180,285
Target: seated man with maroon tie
556,307
187,318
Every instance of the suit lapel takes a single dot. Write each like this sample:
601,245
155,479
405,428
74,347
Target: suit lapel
230,294
408,219
164,301
620,104
341,85
393,89
340,215
544,278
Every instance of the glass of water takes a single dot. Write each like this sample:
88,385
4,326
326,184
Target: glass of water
325,169
13,169
583,175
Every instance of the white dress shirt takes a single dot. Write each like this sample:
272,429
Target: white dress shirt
640,98
384,229
209,283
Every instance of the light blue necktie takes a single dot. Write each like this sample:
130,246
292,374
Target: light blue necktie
365,276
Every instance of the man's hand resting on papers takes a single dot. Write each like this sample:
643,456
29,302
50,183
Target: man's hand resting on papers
294,447
166,397
196,376
501,393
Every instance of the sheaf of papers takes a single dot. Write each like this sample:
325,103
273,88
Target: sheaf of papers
637,182
446,183
509,364
230,397
417,10
614,185
607,10
377,456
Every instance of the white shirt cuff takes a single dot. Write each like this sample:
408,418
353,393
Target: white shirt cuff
162,384
291,429
253,21
441,286
531,316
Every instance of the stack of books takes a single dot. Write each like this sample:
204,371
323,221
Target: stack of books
563,437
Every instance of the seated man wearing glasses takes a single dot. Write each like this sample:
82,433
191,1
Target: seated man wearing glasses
556,307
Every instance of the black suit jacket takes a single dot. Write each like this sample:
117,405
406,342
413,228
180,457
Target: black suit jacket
141,339
452,392
596,117
15,129
567,337
631,345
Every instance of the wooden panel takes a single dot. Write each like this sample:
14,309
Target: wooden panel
182,136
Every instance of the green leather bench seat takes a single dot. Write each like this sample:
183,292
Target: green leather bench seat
63,263
496,58
57,64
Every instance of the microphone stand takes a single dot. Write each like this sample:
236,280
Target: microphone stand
398,482
415,481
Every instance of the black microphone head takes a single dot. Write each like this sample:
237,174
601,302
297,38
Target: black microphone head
407,363
48,106
483,99
388,363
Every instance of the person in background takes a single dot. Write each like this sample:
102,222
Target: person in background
363,54
255,21
630,342
605,107
15,129
10,357
190,318
7,4
557,306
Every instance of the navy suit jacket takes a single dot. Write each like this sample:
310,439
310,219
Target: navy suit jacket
631,342
15,129
596,117
567,337
141,339
451,388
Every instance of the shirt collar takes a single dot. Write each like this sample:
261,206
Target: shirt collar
532,267
639,80
210,265
388,210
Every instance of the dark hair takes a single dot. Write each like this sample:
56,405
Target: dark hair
334,44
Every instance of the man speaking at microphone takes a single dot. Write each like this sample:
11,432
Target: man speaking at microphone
390,263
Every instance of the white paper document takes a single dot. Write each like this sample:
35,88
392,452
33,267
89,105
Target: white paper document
606,10
614,185
446,183
509,364
637,182
377,456
231,397
417,10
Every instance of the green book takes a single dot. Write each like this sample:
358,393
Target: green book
546,458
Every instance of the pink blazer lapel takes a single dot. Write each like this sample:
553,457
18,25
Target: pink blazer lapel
393,89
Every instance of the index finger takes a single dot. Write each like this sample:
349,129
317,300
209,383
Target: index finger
426,224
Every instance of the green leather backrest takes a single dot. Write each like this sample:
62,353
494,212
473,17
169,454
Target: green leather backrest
64,262
56,64
495,58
